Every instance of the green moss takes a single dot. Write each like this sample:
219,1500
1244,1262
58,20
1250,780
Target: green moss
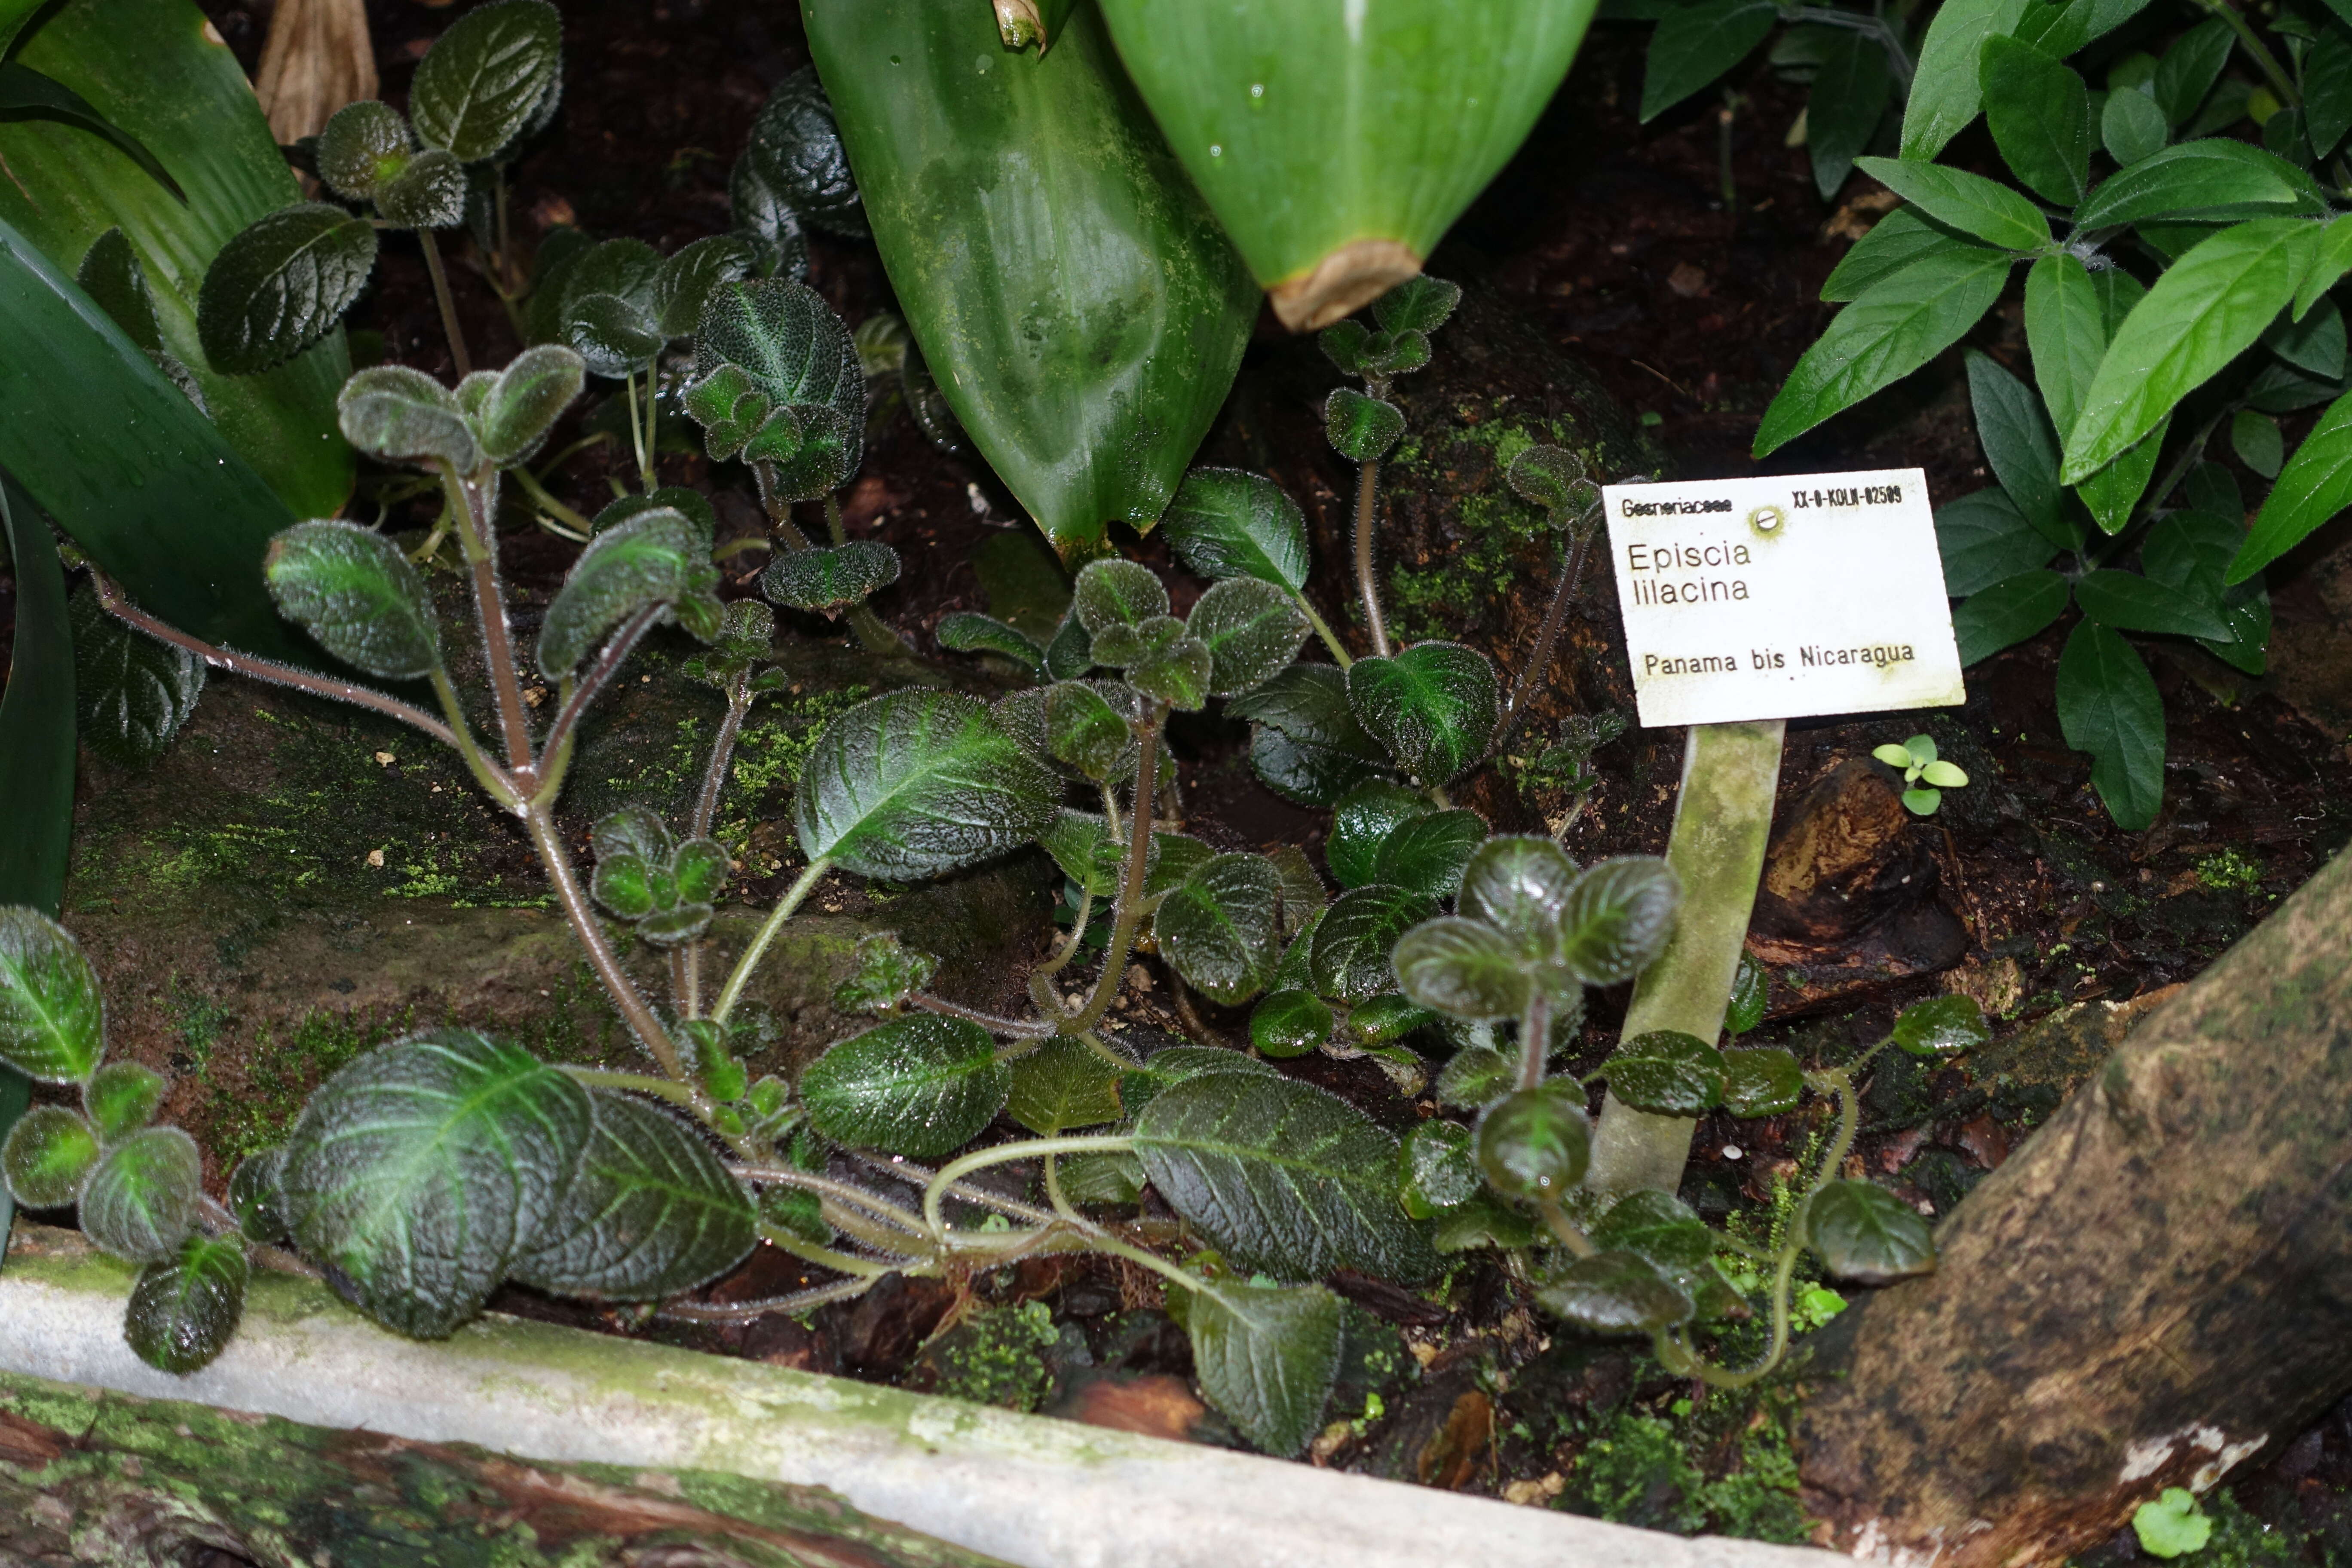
1729,1468
769,752
254,1111
2230,871
994,1357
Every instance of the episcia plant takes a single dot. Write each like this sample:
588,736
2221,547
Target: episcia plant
2178,282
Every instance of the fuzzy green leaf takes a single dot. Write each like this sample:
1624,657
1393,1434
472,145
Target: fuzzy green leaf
1355,939
2213,178
686,279
1063,1085
1286,1179
1180,673
1267,1357
1362,821
1894,243
1751,991
52,1017
797,148
1519,884
141,1199
1289,1022
121,1097
404,416
788,341
1117,593
131,692
1436,1169
430,193
1942,1026
1867,1235
485,80
1667,1073
1618,917
657,558
185,1309
2129,602
1945,92
110,274
363,145
969,632
1968,203
2040,115
1359,428
2021,448
917,783
1984,540
1464,968
1217,928
1426,854
1554,479
829,576
1476,1077
1765,1081
1418,304
1225,523
1305,740
522,402
254,1197
1664,1231
49,1152
1253,630
2132,128
280,285
2313,487
1433,707
921,1086
1535,1142
1614,1293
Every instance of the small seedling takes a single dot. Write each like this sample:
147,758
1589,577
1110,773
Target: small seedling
2172,1525
1926,777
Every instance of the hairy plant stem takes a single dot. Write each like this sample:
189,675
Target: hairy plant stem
1563,1230
935,1195
847,1263
633,1082
1339,654
1061,959
1368,476
732,991
920,1175
2256,50
477,498
792,1305
995,1023
1535,1040
1555,617
898,1217
574,525
579,691
1127,913
637,435
457,334
872,635
779,510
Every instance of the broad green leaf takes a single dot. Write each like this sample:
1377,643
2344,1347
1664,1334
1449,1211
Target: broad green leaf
2131,603
2022,447
121,1097
52,1017
2132,128
2040,115
615,337
1418,304
649,1212
110,273
49,1152
1352,944
1614,1293
1464,968
1751,994
420,1171
2206,310
2189,67
1618,917
281,285
185,1309
484,81
363,145
686,279
788,341
430,193
2327,89
1942,1026
1484,1221
1225,523
921,1086
1379,1020
131,693
2007,613
1064,1084
917,783
1426,854
1893,327
2213,178
828,576
140,1201
1969,203
2113,492
1176,1064
2109,707
2058,30
1535,1142
1113,1179
1359,428
1945,94
1851,86
1664,1232
1437,1169
1984,540
1362,821
1217,928
1696,43
2316,485
1118,593
1305,740
968,631
523,402
808,450
254,1196
403,414
1433,707
1289,1022
1285,1179
1180,672
2313,342
1518,884
658,558
1252,629
1667,1073
1867,1235
1894,243
1476,1077
1766,1081
1084,732
1266,1356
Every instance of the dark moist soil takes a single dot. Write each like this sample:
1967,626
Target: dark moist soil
1620,246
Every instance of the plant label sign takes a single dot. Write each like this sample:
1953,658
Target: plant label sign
1782,598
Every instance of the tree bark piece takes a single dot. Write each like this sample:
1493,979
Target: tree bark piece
316,58
2151,1288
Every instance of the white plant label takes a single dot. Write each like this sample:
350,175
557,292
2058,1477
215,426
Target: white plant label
1782,598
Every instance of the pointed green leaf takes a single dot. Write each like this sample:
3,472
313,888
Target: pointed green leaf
1697,43
1867,1235
52,1019
1305,740
131,692
2132,128
2066,328
1063,1085
1464,968
968,631
483,81
49,1152
1663,1231
1225,523
1942,1026
1359,428
1895,242
121,1097
1253,630
110,273
280,285
2109,707
1285,1178
2007,613
1266,1356
1984,540
1418,304
658,557
684,284
1084,732
2191,67
1217,928
1851,86
2040,115
1667,1073
1945,92
141,1199
185,1309
1433,707
2022,447
1969,203
2316,485
1618,917
1535,1143
420,1171
2129,602
2213,178
917,783
1352,945
2315,343
255,1199
1614,1293
1766,1081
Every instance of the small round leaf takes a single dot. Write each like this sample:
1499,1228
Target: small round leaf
48,1154
1465,969
1418,304
921,1086
1433,705
253,1196
363,145
140,1201
1353,944
524,401
1614,1293
1518,884
1535,1142
1766,1081
1436,1170
1942,1026
1253,629
1428,854
1217,928
430,193
1362,821
1865,1233
1751,990
1667,1073
185,1307
282,284
829,576
1289,1022
404,416
1618,917
52,1017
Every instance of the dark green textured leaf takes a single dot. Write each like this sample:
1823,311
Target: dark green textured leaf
1180,672
2040,115
1535,1142
1084,732
430,193
921,1086
1286,1179
1289,1022
657,557
421,1170
49,1152
1353,942
1663,1231
1433,707
1379,1020
141,1199
1867,1235
828,576
1554,479
886,973
651,1212
485,80
1464,968
1225,523
1751,990
1667,1073
1894,326
1618,917
254,1197
1476,1077
1697,43
363,144
1217,928
788,341
522,402
1614,1293
1252,628
1118,593
1852,86
1942,1026
2066,328
404,416
1266,1356
968,631
121,1097
1518,884
281,285
1766,1081
1064,1084
110,273
1359,428
2327,89
1305,740
52,1019
796,149
918,784
1418,304
131,693
2129,602
2314,344
2008,612
185,1310
2109,707
614,337
686,279
1484,1221
1426,854
1436,1169
1968,203
2316,485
